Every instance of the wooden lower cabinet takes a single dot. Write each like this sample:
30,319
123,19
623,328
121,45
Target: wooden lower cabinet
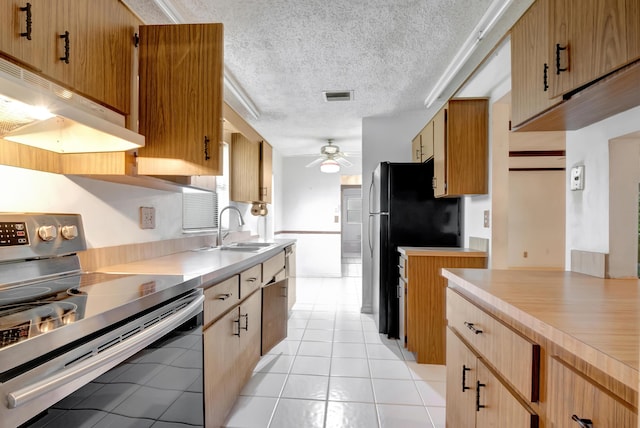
572,396
479,398
231,351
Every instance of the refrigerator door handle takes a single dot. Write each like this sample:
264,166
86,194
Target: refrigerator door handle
370,234
371,187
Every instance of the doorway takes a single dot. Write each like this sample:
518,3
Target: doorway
351,230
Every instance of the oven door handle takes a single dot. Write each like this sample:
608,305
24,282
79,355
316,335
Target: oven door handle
90,368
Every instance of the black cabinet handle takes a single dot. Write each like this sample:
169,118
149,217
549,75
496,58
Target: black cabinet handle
224,296
65,58
471,326
27,9
246,322
478,405
558,49
465,369
206,148
237,322
584,423
546,77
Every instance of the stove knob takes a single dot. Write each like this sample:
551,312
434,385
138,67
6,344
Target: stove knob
47,233
69,232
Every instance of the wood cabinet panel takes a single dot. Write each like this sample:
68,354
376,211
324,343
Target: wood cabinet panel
181,99
250,336
222,380
36,51
416,149
266,171
440,152
530,64
245,171
589,54
426,139
572,394
461,382
274,316
250,280
633,30
220,298
515,356
273,267
496,406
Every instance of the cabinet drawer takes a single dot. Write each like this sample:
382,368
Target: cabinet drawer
569,394
250,280
219,298
513,355
272,267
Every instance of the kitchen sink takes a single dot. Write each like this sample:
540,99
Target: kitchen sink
251,247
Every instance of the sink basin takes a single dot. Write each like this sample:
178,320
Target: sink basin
251,247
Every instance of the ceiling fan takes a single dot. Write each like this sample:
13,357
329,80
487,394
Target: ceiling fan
331,158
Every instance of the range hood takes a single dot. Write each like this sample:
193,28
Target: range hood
39,113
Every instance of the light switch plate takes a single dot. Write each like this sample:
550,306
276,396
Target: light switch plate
577,177
147,218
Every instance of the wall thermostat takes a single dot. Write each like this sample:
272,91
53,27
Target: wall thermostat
577,177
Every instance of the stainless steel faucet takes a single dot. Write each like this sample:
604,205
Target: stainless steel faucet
219,237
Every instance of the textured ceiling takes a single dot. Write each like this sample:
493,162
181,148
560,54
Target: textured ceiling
284,53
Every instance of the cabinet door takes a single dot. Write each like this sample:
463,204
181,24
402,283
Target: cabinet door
496,407
426,137
591,53
416,149
62,37
33,52
105,51
250,334
440,152
530,65
461,383
266,171
245,172
633,30
181,99
221,381
571,394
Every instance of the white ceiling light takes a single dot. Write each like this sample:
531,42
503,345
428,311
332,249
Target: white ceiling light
329,166
488,20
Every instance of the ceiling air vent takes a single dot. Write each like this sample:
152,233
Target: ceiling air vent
337,95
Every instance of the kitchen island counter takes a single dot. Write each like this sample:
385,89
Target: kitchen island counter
595,319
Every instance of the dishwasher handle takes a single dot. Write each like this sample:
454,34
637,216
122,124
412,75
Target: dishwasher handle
115,354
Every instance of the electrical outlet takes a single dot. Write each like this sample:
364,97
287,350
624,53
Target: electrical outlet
147,218
486,218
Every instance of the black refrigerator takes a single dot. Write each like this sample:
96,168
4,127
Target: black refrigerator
404,212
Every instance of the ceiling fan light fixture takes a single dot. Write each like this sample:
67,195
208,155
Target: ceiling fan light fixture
329,166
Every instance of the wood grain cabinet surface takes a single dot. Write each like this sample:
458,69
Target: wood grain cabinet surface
97,61
251,170
181,99
424,307
422,144
460,148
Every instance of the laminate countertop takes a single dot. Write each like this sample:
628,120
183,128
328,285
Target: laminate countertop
441,252
596,319
212,265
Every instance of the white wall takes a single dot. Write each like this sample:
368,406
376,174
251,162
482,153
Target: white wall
588,211
110,211
310,201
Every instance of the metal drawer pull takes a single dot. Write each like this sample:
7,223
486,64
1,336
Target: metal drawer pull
472,327
27,33
237,322
558,49
478,405
465,369
224,296
65,58
206,148
252,279
246,322
545,72
584,423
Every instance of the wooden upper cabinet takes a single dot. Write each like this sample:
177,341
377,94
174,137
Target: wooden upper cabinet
251,170
460,148
416,148
33,52
181,99
426,142
588,40
531,65
633,30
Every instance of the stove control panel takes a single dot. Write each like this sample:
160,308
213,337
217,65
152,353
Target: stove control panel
25,236
13,233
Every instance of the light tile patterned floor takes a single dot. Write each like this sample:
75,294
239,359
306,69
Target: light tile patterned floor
334,370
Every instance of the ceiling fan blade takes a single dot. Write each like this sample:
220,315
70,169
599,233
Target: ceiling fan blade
342,161
315,162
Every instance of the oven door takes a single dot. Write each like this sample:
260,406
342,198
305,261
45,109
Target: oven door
148,369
